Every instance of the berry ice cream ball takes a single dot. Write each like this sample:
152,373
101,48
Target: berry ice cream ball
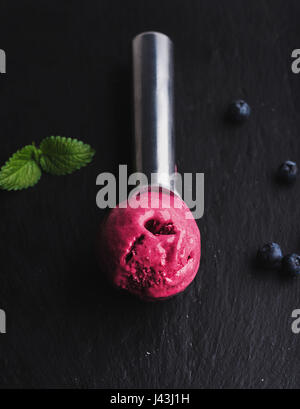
152,251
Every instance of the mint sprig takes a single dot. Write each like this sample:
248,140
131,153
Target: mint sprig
56,155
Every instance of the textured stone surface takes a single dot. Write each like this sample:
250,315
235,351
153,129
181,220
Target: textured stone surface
68,73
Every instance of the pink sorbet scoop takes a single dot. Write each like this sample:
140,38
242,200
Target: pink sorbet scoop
153,250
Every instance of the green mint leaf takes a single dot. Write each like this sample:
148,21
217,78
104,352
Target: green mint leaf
60,155
21,170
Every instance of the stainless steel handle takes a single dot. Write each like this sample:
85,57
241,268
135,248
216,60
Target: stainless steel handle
153,75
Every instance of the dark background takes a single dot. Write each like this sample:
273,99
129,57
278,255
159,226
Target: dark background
69,73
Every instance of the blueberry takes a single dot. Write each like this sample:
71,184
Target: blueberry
291,264
287,172
270,256
239,111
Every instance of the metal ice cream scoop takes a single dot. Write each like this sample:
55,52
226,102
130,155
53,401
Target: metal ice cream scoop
152,250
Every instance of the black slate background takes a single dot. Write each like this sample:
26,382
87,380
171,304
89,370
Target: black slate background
69,73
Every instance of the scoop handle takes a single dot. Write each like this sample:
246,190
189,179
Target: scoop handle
153,82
